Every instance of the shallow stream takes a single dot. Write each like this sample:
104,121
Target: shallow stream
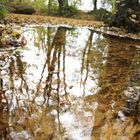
70,84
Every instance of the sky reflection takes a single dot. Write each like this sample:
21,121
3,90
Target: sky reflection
63,82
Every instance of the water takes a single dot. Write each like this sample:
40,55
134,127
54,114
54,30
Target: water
70,84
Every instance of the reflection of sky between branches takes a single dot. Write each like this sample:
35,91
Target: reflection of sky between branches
37,62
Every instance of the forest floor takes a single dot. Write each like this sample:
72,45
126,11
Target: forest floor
97,26
37,19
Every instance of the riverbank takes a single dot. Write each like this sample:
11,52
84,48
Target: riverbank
37,19
97,26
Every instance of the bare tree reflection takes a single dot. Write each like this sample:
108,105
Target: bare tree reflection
53,59
114,79
41,40
85,59
4,126
53,83
57,46
93,58
48,58
38,104
27,116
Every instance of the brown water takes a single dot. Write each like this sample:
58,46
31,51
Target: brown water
70,84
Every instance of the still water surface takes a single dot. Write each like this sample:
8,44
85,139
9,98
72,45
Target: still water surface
70,84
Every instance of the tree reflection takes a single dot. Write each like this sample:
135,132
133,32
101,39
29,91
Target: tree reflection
54,69
92,59
53,81
114,78
43,37
4,110
55,50
34,95
85,59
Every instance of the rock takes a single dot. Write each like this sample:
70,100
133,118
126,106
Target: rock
15,35
23,9
2,28
23,41
132,106
134,16
11,39
9,30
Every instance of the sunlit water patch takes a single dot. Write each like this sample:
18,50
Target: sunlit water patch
65,84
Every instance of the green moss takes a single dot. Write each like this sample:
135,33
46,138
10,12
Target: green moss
3,11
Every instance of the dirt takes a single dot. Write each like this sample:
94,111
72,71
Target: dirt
36,19
96,26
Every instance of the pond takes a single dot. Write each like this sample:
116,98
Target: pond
70,84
